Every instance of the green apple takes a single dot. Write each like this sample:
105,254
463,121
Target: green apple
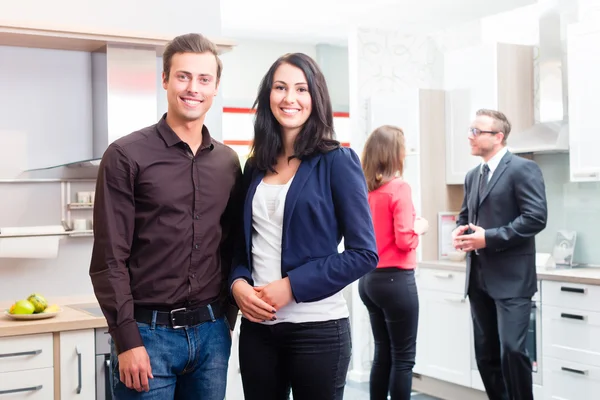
22,307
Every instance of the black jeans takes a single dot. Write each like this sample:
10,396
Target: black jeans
310,358
391,297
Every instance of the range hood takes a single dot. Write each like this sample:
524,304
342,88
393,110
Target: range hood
551,133
124,98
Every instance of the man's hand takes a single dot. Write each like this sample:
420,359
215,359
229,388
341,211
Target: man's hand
277,293
470,242
459,230
135,369
252,307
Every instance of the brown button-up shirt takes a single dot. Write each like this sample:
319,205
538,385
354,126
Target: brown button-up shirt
163,222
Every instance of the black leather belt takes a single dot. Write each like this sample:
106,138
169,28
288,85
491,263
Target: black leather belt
180,317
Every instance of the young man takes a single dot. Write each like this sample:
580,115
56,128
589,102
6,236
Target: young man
503,209
167,199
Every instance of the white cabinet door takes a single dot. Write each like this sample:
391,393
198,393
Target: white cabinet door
77,365
447,339
234,377
584,103
401,110
470,77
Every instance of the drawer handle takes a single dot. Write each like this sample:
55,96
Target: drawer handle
574,371
455,300
22,354
443,276
78,369
572,289
27,389
573,316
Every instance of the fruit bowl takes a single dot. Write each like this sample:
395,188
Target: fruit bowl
30,317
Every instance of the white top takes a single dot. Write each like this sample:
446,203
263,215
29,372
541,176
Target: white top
494,162
267,222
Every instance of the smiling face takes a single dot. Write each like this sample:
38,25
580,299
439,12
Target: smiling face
191,86
290,100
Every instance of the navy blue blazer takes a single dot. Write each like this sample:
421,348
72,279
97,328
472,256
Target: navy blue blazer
326,201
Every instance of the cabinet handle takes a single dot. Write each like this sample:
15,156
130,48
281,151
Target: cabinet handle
78,351
443,276
573,289
22,354
27,389
454,300
572,316
585,174
574,371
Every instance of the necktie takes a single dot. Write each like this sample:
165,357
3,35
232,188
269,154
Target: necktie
483,179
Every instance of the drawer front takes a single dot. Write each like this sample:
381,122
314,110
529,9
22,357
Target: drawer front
564,380
571,295
30,385
572,335
441,280
19,353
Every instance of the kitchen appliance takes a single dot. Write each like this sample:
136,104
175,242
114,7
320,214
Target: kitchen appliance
103,381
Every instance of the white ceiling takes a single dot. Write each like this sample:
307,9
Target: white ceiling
330,21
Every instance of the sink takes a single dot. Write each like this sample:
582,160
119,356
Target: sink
91,308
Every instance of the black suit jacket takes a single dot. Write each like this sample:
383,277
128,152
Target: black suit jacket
512,210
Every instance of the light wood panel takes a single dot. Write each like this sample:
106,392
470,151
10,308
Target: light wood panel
59,38
436,196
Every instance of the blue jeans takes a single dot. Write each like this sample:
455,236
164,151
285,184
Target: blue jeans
187,363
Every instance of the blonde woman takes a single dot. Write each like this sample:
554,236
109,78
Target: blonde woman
390,292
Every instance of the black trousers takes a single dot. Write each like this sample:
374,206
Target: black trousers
500,332
390,295
310,359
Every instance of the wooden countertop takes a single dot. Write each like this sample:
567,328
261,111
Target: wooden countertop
583,275
69,319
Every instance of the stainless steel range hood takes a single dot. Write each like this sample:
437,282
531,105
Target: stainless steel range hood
551,133
124,98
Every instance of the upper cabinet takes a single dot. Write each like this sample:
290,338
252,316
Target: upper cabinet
584,85
496,76
90,41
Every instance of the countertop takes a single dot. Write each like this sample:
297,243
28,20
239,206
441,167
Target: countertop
581,275
71,318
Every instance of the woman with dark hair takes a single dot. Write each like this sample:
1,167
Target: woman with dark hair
303,194
390,292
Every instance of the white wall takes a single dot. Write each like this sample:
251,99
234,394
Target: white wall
246,65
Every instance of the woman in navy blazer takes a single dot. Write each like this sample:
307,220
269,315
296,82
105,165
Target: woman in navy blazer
304,193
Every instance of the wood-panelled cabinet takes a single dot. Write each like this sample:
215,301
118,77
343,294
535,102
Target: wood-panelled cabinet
496,76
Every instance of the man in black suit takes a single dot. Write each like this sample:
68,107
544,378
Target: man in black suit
503,209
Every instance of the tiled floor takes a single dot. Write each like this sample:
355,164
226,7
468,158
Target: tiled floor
360,391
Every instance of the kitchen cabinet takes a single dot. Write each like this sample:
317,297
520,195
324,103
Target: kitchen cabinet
443,340
234,376
496,76
77,365
26,367
584,84
570,328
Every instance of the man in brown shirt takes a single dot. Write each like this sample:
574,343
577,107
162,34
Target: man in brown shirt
167,202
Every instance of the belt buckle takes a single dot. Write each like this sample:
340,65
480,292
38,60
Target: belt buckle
172,312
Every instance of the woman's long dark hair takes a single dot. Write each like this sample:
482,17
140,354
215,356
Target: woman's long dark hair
316,136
